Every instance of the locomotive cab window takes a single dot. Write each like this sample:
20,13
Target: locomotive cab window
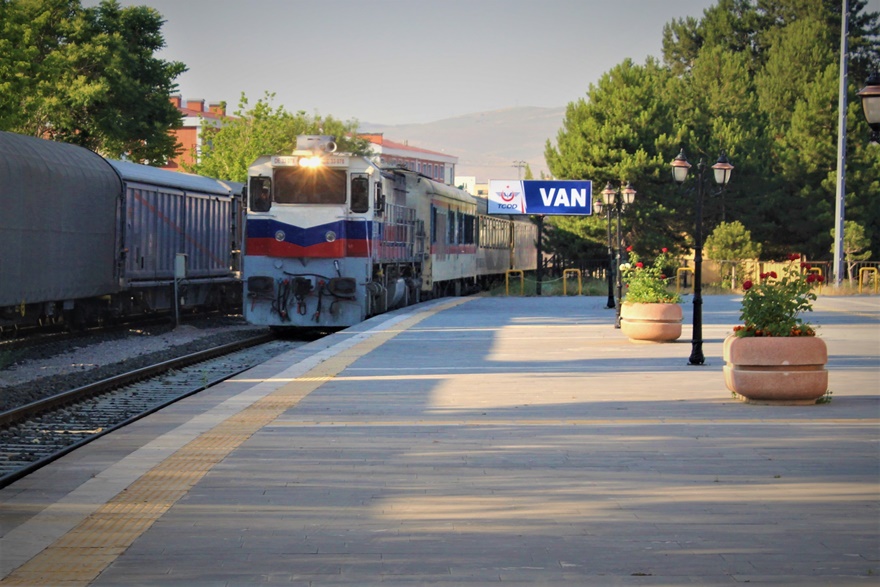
360,193
380,199
310,185
260,194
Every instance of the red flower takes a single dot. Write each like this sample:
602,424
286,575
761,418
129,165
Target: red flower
640,264
773,274
662,276
764,275
806,266
811,277
747,284
664,250
794,257
629,249
820,279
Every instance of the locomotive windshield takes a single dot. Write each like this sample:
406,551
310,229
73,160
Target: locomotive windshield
309,185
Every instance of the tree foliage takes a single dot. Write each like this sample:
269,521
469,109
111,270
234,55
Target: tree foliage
88,76
855,245
730,243
264,130
756,79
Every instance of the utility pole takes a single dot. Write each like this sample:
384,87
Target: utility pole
840,196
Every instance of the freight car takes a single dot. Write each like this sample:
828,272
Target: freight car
83,238
332,238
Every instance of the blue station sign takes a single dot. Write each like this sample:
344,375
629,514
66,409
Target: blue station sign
545,197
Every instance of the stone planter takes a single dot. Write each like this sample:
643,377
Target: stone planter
651,322
776,370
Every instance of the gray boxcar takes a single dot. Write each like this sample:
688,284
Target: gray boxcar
58,223
92,237
167,213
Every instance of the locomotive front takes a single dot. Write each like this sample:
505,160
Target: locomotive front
309,236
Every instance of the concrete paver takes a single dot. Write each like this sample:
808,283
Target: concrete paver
522,441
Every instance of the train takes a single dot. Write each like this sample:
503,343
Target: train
85,239
333,238
315,239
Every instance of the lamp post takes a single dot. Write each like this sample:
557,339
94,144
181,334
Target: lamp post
617,199
609,273
723,169
870,96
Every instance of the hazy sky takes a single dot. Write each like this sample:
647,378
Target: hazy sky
407,61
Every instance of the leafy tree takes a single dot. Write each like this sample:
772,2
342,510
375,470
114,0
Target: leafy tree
682,39
88,76
622,132
574,240
756,79
799,51
264,130
730,241
855,245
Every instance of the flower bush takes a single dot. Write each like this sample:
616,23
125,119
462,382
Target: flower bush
647,284
772,306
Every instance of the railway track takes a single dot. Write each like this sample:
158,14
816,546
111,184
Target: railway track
36,434
15,339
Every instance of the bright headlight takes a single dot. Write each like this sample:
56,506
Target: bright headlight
310,162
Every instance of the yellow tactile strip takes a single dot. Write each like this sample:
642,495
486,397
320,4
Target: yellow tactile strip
79,556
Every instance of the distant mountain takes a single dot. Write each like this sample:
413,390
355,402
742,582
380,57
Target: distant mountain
487,144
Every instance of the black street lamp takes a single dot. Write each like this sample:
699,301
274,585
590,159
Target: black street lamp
723,169
870,96
617,199
609,273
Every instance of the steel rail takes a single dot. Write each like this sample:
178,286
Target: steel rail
80,393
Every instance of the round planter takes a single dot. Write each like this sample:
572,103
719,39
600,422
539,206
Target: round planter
651,322
776,370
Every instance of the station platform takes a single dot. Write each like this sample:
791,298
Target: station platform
475,441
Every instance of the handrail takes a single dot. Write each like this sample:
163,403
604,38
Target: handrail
817,270
522,281
565,274
678,273
872,270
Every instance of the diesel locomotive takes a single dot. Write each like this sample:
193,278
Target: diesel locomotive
333,238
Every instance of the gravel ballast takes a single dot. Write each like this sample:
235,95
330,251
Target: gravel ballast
31,374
